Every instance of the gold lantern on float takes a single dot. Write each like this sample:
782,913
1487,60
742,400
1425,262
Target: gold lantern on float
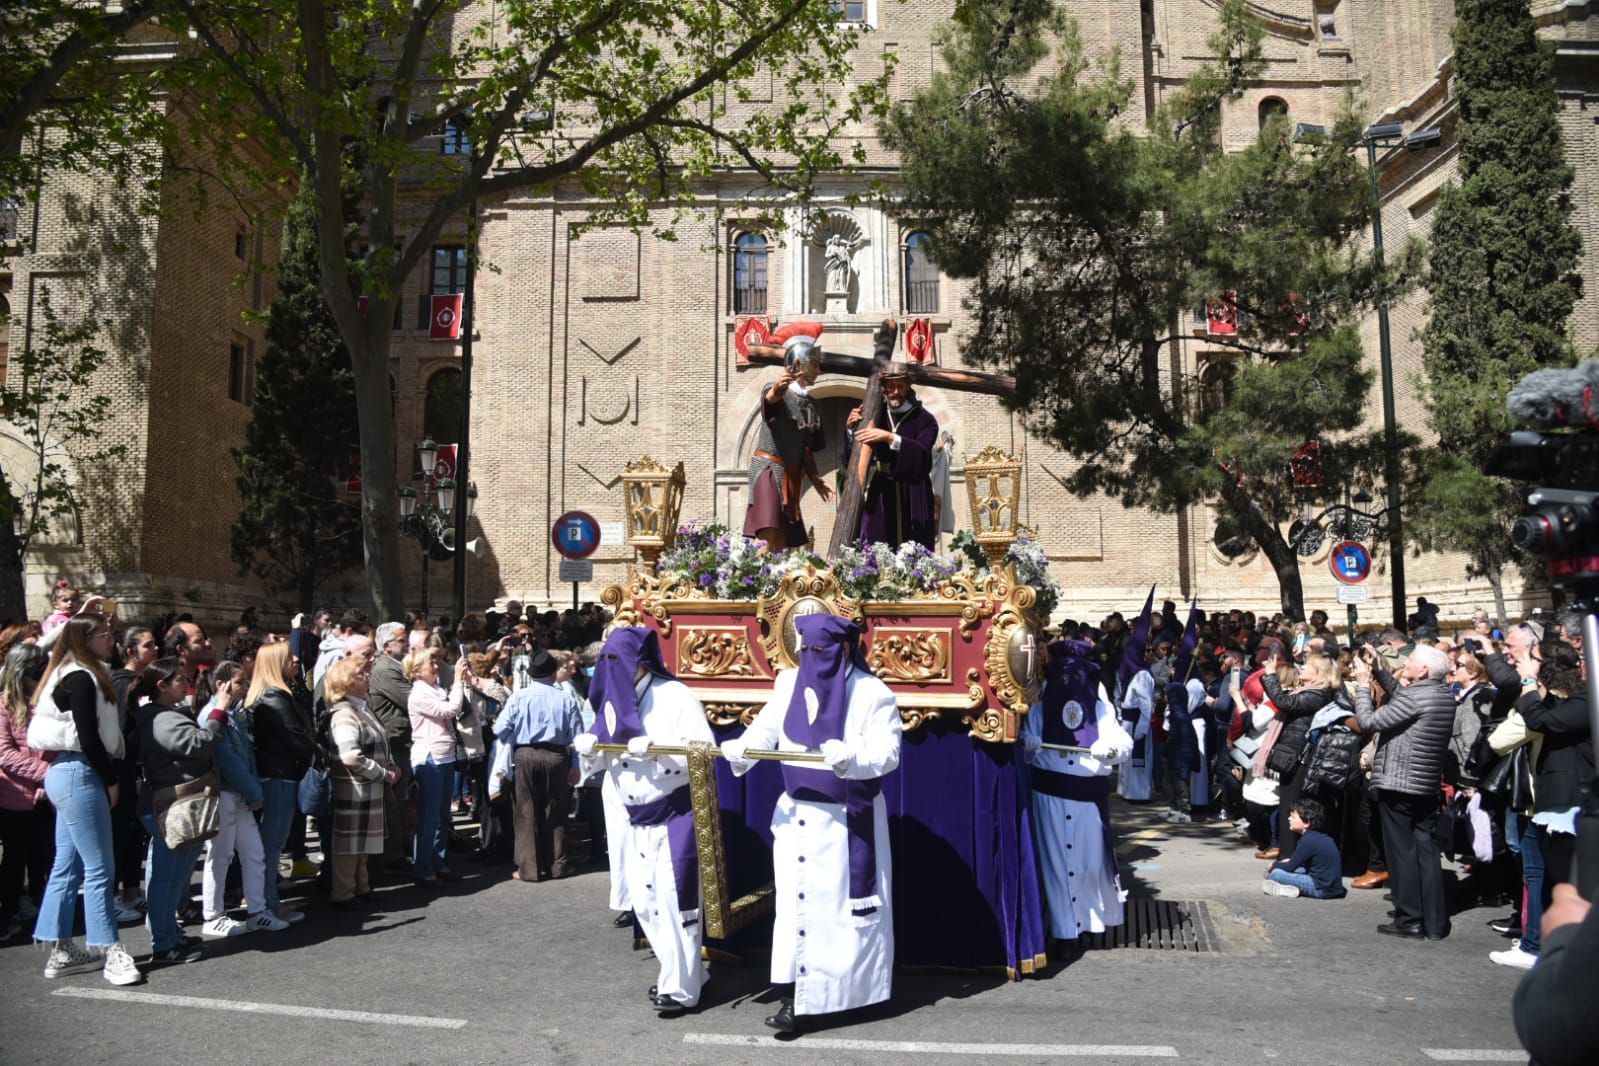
654,498
994,486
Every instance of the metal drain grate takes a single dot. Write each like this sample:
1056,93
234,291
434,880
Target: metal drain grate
1159,925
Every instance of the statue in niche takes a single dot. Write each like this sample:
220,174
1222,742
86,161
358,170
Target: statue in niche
838,244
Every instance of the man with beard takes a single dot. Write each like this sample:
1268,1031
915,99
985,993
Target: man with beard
898,505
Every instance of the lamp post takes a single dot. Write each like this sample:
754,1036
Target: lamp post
425,515
1345,521
994,489
1386,135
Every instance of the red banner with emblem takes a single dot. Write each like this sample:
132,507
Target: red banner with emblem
1221,315
748,331
919,345
444,323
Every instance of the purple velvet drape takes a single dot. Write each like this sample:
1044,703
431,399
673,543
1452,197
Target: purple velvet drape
966,884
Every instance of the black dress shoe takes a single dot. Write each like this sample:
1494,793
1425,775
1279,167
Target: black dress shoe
664,1004
1409,932
783,1021
623,920
1439,936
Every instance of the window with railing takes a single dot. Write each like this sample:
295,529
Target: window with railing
849,10
453,138
921,275
751,254
10,219
449,276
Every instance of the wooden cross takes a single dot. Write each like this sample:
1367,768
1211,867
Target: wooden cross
846,527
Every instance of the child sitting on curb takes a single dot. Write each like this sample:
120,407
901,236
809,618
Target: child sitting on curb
1315,868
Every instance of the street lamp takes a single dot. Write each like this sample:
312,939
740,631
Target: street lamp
425,515
1387,135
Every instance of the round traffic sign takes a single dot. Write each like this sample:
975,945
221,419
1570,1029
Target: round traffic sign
576,535
1350,562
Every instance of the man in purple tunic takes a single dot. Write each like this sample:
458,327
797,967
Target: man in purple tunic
899,487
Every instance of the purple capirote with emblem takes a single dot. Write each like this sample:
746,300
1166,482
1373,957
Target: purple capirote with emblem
1071,694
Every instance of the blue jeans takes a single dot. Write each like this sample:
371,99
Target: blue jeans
84,854
1304,882
279,803
433,780
171,874
1532,874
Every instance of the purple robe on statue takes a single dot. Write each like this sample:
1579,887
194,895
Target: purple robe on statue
899,491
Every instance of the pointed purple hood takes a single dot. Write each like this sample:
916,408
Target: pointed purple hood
829,647
613,693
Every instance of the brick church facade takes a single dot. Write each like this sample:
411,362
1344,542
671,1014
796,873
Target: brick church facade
595,347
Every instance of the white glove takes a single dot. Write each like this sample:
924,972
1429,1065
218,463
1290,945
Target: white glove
733,751
1102,749
836,754
584,744
638,747
1030,746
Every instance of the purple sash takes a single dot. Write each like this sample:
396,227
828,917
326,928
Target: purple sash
675,810
1080,789
860,821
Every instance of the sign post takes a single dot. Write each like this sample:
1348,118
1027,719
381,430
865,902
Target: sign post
576,536
1350,563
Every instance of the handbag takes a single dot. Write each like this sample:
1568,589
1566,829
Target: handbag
189,814
315,793
1521,798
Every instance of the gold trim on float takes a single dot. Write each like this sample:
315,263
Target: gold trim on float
722,918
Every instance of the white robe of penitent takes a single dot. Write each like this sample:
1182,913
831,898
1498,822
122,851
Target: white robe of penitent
835,959
1084,895
1136,780
671,715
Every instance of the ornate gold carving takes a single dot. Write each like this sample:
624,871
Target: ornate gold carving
726,714
903,653
715,651
994,489
652,498
800,592
1015,625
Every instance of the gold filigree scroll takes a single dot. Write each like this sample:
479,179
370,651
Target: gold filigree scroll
905,653
1014,659
722,917
715,651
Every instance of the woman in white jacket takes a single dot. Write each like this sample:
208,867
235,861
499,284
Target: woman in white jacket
75,717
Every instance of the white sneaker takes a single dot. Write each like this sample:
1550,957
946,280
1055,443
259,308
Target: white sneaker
1515,957
119,967
1277,888
128,914
68,958
222,926
266,922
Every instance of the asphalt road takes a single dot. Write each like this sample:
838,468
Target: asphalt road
496,971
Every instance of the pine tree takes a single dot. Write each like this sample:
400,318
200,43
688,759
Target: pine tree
297,529
1091,243
1502,277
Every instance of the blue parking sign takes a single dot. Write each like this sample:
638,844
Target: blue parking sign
576,535
1350,562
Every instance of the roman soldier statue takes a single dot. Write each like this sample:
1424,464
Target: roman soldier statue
899,504
790,437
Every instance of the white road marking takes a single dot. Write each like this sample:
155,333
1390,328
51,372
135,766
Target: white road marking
415,1021
923,1047
1450,1054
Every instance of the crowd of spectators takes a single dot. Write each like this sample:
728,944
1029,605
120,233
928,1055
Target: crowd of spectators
110,733
1395,749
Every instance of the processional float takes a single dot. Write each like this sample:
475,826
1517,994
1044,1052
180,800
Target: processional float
964,662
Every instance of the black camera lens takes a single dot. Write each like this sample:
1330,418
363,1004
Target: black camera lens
1555,528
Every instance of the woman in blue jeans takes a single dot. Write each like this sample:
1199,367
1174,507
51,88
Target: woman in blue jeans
75,717
280,712
433,715
174,750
